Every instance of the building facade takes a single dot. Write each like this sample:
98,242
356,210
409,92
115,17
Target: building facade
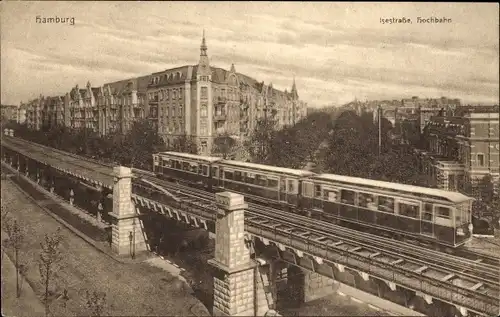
122,103
83,109
9,112
200,101
203,102
464,147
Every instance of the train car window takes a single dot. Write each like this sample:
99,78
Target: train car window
366,200
408,210
442,212
250,178
185,166
291,186
215,172
221,173
205,170
194,168
228,175
282,185
386,204
347,196
178,165
272,183
260,180
307,189
317,191
427,212
330,194
172,164
237,176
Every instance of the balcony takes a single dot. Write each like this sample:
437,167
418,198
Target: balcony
221,100
220,130
220,117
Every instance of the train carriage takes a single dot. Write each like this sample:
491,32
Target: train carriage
184,167
260,182
424,213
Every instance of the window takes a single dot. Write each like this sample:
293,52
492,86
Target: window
228,175
317,191
180,93
480,159
237,176
205,170
204,92
203,127
367,201
330,194
307,189
215,171
283,185
443,212
427,214
272,183
260,180
386,204
203,110
408,210
194,168
347,197
291,186
451,182
174,94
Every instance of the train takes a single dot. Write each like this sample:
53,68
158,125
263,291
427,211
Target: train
428,216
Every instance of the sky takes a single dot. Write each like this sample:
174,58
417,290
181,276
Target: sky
336,51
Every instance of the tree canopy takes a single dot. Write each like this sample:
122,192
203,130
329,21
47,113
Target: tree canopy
185,144
224,144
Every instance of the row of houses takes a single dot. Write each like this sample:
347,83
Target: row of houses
201,101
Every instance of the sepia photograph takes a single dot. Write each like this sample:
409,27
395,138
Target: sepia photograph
247,158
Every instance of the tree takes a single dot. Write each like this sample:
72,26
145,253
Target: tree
50,257
15,240
260,143
185,144
224,144
299,144
141,142
95,302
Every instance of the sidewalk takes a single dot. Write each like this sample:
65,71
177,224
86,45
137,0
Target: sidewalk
28,304
100,246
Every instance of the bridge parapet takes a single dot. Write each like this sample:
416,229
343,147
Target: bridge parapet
325,256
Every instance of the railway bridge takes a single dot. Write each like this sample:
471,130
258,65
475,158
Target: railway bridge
258,253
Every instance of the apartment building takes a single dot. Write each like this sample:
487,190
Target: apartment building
204,101
121,103
200,100
464,147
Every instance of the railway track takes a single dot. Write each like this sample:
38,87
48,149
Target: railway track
480,270
472,274
79,161
475,257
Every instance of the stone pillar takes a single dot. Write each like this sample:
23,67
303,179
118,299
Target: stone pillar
127,236
305,286
317,286
235,292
